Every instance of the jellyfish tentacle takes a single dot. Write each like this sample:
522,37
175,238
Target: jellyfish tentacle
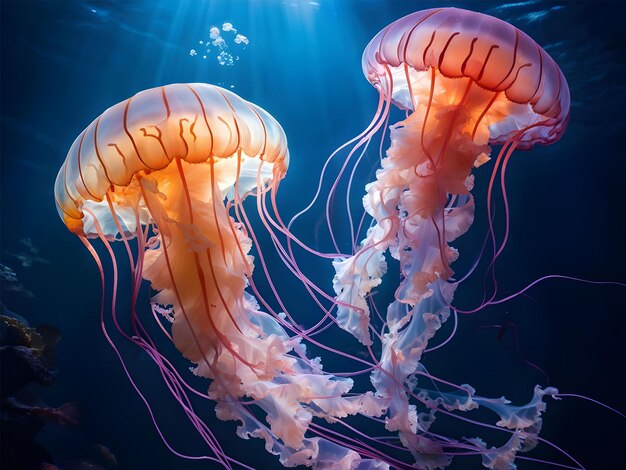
353,235
268,401
220,457
336,152
363,142
431,94
121,231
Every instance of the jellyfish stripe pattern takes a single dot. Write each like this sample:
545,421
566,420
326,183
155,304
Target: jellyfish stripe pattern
162,176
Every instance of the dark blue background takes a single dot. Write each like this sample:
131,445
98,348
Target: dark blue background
64,62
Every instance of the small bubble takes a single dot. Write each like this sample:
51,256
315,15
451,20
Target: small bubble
200,42
193,52
241,39
214,32
204,57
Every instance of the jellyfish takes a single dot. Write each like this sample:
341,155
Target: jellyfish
464,81
163,174
163,177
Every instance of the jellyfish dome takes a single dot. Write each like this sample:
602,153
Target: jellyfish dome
181,123
526,97
164,170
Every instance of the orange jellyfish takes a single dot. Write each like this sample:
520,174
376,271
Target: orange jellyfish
464,80
164,173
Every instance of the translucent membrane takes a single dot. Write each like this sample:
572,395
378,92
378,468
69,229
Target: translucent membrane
491,52
191,122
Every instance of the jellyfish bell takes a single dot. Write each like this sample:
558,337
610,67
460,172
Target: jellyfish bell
517,90
190,123
168,169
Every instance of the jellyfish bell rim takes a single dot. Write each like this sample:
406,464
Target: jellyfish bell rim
551,110
247,121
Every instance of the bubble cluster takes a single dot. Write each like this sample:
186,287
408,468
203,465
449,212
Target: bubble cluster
221,43
224,58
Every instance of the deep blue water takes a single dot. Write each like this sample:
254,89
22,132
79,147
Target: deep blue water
64,62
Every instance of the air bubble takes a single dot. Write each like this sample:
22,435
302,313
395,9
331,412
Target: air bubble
228,27
241,39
